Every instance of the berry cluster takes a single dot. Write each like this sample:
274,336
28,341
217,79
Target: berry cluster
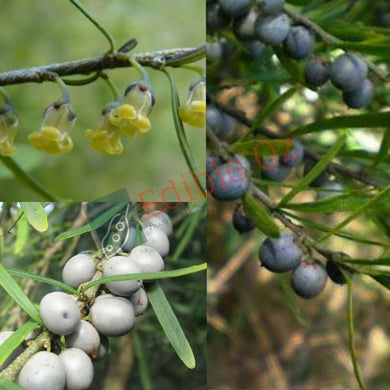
84,326
265,23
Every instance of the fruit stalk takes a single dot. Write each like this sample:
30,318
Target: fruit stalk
12,370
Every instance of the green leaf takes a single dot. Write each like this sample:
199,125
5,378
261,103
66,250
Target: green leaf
22,232
187,236
331,204
261,147
16,293
383,261
5,384
291,300
15,340
95,224
260,215
170,324
143,363
383,280
360,210
347,235
382,51
315,172
379,119
35,215
148,276
43,279
290,65
180,133
24,177
383,153
273,106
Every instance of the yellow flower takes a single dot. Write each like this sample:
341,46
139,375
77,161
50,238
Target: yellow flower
132,116
194,111
54,136
107,138
8,129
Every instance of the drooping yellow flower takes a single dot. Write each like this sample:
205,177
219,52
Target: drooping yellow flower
194,110
8,129
107,137
132,115
53,137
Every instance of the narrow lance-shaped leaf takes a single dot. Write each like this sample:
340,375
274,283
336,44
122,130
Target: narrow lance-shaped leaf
331,204
43,279
22,233
383,153
149,275
35,215
379,119
180,133
8,385
15,340
273,106
260,215
93,225
315,172
359,211
143,363
170,324
16,293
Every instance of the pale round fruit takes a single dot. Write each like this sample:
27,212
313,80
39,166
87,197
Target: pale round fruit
4,336
78,369
103,349
60,313
140,301
85,337
78,269
43,371
158,219
157,239
120,265
130,241
113,316
148,259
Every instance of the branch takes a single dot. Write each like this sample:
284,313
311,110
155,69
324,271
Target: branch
330,39
333,168
156,60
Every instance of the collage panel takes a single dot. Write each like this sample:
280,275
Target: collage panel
103,295
298,223
97,96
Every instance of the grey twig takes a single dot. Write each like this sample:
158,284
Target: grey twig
170,57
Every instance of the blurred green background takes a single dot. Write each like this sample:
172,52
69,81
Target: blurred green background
41,32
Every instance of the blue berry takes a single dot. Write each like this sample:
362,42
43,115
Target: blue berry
273,170
280,254
229,181
299,43
348,72
360,97
272,30
317,72
309,279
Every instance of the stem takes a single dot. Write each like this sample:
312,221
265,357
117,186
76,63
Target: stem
26,179
111,85
143,73
54,77
197,69
96,23
172,57
12,370
329,39
84,81
351,335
